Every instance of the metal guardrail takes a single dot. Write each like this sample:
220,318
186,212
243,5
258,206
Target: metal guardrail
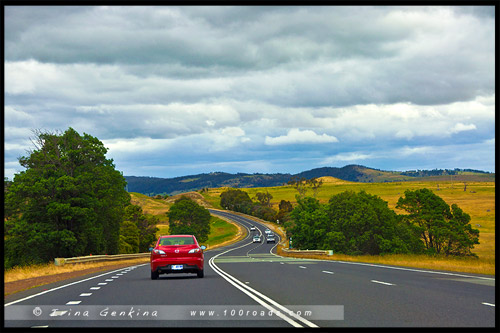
307,251
77,260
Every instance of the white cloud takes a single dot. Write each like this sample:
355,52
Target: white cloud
347,157
459,127
296,136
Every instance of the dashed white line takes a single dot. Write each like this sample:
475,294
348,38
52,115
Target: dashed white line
109,280
327,272
384,283
73,302
303,267
95,288
102,283
489,304
66,285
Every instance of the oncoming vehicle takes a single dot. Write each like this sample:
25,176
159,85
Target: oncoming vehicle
270,238
256,239
177,254
268,232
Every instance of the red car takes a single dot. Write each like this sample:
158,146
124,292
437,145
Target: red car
177,254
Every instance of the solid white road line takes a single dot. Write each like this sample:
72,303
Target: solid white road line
385,283
259,297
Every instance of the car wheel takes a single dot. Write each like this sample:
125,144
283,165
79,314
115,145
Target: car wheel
200,273
154,275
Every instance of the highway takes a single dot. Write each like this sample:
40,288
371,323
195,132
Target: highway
247,285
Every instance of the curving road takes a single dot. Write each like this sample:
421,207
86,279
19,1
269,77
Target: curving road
247,284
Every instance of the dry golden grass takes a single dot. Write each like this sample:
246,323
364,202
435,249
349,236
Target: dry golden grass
27,272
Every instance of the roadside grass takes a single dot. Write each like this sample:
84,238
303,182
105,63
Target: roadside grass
220,232
33,271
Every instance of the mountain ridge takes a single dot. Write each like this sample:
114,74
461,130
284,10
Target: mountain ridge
353,173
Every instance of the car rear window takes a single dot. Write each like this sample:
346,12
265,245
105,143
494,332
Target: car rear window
177,241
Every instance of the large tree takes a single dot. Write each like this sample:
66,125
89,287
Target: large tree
68,202
443,230
187,217
351,223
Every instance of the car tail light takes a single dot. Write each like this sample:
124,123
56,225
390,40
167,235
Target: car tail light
195,250
156,251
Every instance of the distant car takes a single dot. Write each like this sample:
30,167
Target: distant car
268,232
270,239
177,254
256,239
253,228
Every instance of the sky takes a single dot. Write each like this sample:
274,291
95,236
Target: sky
174,91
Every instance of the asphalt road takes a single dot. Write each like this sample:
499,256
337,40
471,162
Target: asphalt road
247,284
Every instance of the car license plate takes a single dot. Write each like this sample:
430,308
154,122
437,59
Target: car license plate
176,267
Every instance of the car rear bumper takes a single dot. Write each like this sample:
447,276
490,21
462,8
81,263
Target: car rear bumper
165,265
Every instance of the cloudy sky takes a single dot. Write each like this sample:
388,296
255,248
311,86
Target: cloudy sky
175,91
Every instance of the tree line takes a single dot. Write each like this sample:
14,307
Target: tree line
70,201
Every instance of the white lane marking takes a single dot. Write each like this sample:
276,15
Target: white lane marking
115,277
64,286
85,294
102,284
282,311
385,283
109,280
327,272
489,304
73,302
302,267
95,288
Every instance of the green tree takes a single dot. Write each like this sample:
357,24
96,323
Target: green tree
285,207
129,237
68,202
367,225
351,223
237,200
443,230
187,217
137,231
264,198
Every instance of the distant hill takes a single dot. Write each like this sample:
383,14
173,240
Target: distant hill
353,173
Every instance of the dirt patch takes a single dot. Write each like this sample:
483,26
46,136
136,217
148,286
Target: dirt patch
20,285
